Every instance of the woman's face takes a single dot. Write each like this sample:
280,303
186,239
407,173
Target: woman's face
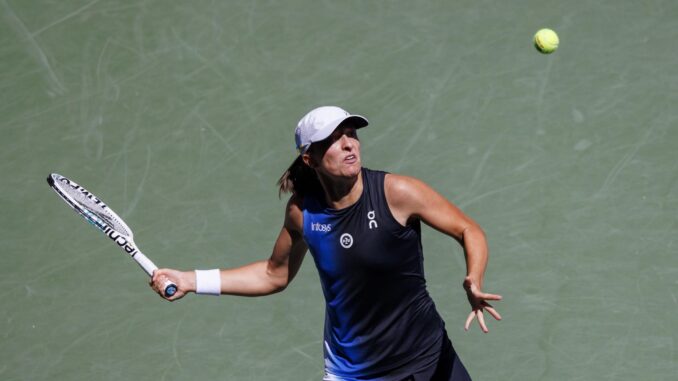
338,155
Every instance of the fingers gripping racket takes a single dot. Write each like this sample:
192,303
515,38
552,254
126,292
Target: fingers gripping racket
92,209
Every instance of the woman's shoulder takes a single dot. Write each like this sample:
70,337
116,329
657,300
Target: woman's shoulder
402,189
294,215
402,183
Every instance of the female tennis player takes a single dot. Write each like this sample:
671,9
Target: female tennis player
363,229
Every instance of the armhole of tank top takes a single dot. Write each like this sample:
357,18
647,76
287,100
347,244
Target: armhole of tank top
303,218
388,207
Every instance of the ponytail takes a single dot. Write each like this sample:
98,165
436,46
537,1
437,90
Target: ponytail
299,179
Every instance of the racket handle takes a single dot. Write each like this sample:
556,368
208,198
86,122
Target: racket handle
145,263
150,267
170,288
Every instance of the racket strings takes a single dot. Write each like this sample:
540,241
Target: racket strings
111,221
97,209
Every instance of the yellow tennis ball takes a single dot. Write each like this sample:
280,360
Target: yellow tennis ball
546,41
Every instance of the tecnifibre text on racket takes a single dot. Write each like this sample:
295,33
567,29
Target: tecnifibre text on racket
92,209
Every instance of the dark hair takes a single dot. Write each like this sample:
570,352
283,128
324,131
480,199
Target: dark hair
299,179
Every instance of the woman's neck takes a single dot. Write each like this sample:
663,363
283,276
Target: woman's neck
342,193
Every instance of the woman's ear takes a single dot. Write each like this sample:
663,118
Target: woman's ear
308,160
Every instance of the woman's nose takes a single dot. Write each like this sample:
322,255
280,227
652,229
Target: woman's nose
346,142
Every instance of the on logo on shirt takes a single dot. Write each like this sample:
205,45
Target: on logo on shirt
371,216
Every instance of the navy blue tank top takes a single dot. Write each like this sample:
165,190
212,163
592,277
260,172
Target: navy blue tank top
380,322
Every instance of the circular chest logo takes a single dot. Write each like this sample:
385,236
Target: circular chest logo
346,240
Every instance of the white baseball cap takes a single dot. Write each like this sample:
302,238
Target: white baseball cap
320,122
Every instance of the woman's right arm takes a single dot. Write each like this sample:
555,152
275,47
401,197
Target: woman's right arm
256,279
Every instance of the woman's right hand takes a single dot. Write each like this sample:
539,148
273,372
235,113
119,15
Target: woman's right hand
184,280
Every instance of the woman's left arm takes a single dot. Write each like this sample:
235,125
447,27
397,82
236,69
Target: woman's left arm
409,199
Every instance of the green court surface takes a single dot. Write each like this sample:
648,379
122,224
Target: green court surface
180,115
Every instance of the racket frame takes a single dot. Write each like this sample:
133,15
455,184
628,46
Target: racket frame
126,243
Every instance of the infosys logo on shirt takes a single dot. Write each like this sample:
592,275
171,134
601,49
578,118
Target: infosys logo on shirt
318,227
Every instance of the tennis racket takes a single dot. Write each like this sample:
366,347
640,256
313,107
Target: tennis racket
94,211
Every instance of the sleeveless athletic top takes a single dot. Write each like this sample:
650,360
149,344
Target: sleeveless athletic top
380,322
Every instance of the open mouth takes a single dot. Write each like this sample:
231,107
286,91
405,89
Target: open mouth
350,159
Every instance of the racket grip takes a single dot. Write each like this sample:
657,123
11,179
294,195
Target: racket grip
148,266
170,288
145,263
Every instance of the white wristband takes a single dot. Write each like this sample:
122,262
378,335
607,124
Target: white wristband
208,282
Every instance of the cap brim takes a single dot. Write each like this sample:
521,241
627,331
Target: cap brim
359,121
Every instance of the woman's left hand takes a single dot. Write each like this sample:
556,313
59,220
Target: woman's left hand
478,300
